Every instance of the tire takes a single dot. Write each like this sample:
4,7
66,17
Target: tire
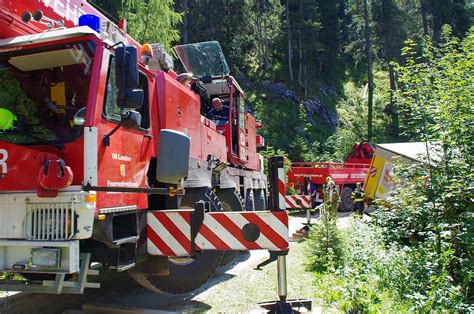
249,201
231,201
259,199
346,199
187,274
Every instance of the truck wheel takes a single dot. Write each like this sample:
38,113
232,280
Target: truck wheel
259,199
186,274
231,201
346,199
249,201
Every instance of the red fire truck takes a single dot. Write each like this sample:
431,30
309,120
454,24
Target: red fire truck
345,175
101,141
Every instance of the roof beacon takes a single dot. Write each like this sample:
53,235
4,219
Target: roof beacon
91,20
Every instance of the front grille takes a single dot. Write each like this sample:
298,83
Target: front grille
50,221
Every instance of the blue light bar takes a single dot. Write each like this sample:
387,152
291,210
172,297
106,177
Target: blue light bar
91,20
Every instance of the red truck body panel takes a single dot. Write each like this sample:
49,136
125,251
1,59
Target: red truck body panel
341,173
68,11
125,162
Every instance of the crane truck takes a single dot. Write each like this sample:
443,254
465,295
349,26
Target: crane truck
345,175
107,155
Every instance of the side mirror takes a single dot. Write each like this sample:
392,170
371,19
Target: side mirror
127,78
131,98
126,67
131,119
173,156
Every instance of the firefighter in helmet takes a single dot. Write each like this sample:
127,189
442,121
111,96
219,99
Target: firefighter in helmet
328,179
331,198
358,197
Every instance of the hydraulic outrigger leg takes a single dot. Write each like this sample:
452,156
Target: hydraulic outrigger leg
277,203
283,305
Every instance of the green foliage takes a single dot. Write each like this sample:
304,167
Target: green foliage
324,246
14,98
373,276
386,14
152,21
277,115
352,111
270,151
431,212
10,276
366,279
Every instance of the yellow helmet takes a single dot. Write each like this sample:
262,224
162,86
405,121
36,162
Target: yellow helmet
6,119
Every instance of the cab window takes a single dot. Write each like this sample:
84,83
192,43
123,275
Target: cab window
43,93
111,110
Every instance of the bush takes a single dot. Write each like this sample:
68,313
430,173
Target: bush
372,276
360,282
324,247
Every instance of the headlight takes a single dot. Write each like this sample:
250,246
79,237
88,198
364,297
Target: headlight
44,257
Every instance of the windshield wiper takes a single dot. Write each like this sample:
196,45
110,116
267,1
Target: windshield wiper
36,137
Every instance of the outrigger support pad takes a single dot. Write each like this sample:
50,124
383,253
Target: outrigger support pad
284,305
288,306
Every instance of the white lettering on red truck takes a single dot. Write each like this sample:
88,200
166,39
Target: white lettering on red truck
3,160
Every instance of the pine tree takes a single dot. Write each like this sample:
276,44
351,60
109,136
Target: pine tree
152,21
325,246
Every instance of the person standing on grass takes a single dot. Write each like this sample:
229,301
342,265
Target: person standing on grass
331,199
358,197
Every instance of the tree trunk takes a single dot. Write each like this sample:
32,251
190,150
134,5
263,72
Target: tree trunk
343,17
259,42
368,51
185,22
424,17
290,48
265,39
300,49
305,82
393,105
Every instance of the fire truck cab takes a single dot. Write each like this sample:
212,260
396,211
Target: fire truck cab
98,135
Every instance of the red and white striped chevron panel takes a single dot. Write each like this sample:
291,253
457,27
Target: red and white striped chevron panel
298,201
281,189
169,232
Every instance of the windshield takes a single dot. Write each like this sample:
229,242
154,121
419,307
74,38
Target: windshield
42,91
203,59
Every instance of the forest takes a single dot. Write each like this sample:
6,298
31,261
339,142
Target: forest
322,75
304,63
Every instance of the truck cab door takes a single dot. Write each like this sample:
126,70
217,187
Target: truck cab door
123,158
239,132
